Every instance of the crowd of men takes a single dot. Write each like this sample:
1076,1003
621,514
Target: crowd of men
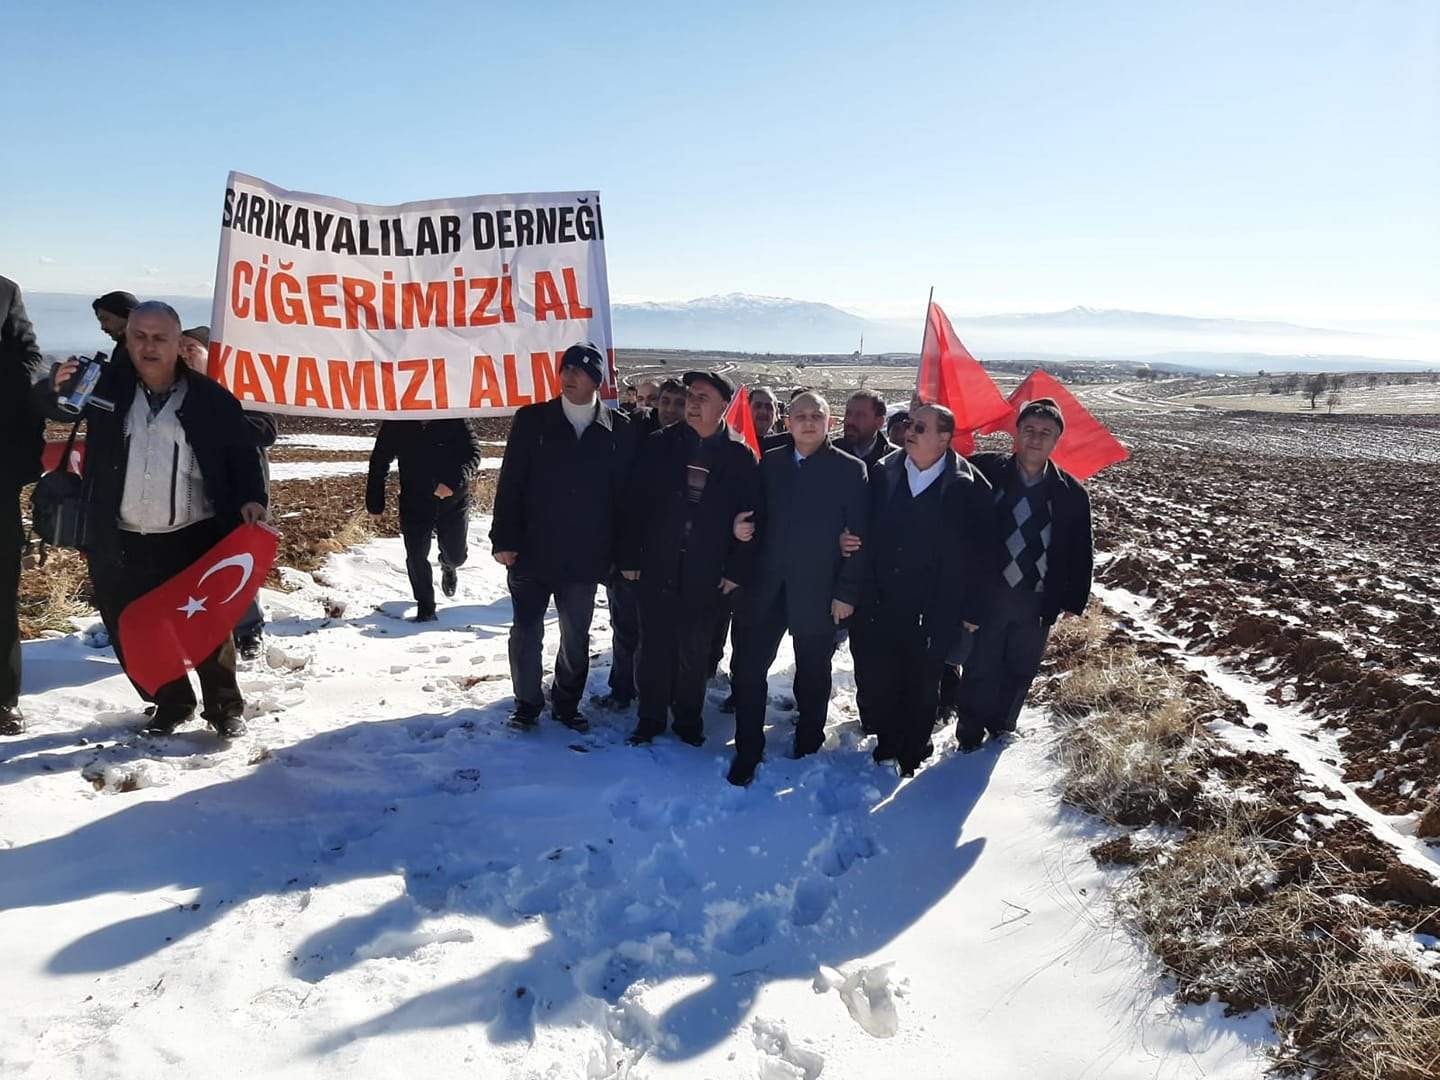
940,569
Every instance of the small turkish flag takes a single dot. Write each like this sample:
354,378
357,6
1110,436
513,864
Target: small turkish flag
950,376
174,626
738,417
1086,445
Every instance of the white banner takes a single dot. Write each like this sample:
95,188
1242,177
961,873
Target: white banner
452,307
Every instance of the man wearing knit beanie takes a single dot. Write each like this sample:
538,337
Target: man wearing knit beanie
1043,523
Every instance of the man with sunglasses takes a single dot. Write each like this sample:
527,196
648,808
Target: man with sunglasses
1042,517
930,559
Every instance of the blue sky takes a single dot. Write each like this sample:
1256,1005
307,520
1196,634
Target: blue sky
1250,159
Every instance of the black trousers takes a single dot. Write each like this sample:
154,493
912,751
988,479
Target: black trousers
12,544
624,600
757,639
724,620
1002,665
674,654
575,605
444,519
865,644
904,677
149,560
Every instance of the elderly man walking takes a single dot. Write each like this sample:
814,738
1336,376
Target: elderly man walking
812,492
1045,541
691,481
167,475
557,505
931,556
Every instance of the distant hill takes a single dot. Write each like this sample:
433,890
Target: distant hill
65,322
738,321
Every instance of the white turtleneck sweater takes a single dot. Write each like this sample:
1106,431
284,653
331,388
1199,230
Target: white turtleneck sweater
580,416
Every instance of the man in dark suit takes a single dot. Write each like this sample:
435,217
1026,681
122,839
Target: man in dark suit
1043,535
931,556
691,481
557,506
21,440
812,492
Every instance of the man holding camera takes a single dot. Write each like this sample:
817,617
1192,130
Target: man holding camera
168,473
21,439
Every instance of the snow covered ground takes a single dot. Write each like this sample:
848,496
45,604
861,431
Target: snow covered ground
383,879
312,470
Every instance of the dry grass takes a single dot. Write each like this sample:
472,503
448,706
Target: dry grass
53,594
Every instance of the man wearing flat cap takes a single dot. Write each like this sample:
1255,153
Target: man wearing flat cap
1043,524
690,483
557,507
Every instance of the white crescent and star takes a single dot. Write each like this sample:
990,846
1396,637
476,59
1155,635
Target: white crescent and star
244,562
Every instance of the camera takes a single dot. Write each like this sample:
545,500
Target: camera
81,389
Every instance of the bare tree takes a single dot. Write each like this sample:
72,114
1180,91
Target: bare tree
1332,401
1316,385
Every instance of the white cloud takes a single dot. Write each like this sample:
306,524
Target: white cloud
152,271
46,260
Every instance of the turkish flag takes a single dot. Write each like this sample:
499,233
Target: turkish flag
1086,445
950,376
55,450
174,626
738,417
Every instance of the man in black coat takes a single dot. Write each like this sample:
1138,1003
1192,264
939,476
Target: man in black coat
690,483
22,434
556,511
168,474
1044,542
812,492
865,428
930,556
438,459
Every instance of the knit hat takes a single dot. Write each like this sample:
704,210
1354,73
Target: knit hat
587,358
116,303
723,386
1044,407
199,333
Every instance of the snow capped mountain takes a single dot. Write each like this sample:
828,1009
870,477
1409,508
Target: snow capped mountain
738,321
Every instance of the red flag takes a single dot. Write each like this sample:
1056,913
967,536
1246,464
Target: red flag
950,376
1085,447
738,417
55,450
174,626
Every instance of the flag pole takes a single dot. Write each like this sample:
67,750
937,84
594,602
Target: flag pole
920,367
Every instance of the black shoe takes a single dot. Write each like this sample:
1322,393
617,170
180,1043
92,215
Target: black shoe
804,750
229,726
690,736
165,721
449,579
728,705
424,615
643,735
523,720
12,721
574,721
883,752
742,771
909,767
970,741
611,703
248,647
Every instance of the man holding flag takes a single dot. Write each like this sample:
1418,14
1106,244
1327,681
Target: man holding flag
170,472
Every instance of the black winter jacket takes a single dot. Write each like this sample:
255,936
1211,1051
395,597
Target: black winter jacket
22,429
968,562
430,452
653,538
558,500
214,425
798,528
1071,557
